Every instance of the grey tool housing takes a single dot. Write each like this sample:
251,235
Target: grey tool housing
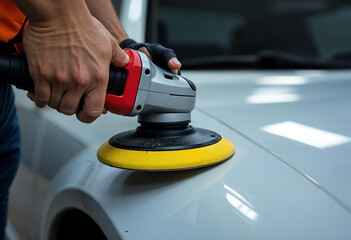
162,97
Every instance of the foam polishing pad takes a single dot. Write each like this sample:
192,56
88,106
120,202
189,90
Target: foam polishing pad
194,148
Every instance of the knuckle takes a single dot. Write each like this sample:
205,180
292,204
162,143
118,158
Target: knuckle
89,117
40,105
80,83
79,79
42,98
60,78
41,101
52,105
83,119
101,76
68,112
69,109
93,115
44,72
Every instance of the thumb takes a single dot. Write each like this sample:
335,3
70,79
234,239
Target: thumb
119,57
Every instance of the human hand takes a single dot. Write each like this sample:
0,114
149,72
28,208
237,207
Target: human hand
162,56
68,59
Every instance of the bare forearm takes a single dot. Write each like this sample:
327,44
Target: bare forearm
103,10
38,10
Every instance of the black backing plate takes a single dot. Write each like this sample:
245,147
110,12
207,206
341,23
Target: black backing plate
132,141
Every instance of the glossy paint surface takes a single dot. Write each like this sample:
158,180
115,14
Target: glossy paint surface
253,195
270,189
322,102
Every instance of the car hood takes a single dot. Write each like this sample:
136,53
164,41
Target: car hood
272,188
302,117
253,195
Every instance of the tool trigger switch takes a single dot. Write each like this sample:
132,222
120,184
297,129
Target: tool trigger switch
169,76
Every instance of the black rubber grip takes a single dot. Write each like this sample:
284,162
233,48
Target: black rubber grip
14,70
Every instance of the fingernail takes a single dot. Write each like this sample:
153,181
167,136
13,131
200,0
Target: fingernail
175,61
126,58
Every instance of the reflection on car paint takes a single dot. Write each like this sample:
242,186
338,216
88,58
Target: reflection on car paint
273,95
305,134
273,98
282,80
241,204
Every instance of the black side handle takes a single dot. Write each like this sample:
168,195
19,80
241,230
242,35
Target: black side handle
14,70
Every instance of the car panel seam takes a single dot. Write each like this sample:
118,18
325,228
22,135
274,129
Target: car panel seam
308,178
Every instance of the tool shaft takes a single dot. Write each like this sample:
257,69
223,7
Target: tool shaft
14,70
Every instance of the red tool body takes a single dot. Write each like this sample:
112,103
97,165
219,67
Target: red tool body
123,104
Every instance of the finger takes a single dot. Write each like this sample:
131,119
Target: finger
42,93
174,65
31,96
144,50
55,98
70,102
119,57
93,105
58,88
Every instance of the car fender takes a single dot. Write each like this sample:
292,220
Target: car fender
65,194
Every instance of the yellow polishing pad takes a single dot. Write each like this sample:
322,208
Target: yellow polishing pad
168,160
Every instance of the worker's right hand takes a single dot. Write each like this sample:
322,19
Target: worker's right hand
160,55
69,58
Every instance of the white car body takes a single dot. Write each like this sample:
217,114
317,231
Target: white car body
282,183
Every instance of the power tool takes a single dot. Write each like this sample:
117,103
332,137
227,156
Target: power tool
163,101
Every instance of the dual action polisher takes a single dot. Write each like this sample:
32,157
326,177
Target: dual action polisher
163,101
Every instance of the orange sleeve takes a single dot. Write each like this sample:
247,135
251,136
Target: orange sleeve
11,20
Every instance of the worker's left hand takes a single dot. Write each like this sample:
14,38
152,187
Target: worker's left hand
160,55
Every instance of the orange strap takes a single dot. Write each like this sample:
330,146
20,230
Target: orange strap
11,20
